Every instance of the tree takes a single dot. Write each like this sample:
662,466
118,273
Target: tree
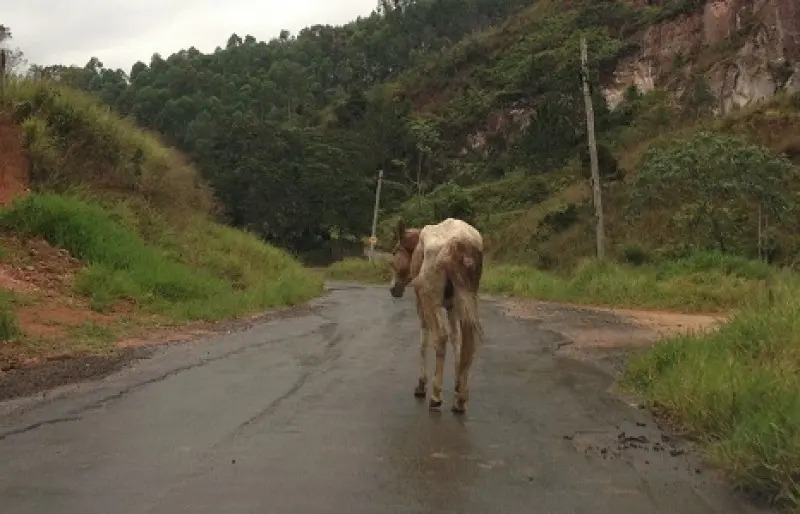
15,59
291,131
721,182
426,136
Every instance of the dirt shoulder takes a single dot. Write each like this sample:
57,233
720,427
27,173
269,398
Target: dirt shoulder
43,374
606,336
63,340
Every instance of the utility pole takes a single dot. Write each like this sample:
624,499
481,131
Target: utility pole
2,69
760,240
598,203
373,240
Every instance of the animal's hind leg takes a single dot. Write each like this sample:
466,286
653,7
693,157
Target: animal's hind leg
440,341
429,296
465,363
455,341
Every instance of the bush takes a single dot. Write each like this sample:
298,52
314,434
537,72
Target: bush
635,255
720,183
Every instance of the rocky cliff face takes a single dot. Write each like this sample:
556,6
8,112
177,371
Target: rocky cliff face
747,49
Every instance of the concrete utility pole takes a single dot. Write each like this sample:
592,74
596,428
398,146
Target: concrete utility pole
598,202
374,240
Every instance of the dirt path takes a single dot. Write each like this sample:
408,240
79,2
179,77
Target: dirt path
598,327
606,335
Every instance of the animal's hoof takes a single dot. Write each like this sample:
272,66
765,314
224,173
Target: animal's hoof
458,387
419,393
458,409
435,405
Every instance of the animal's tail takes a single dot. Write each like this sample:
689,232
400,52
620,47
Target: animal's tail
465,268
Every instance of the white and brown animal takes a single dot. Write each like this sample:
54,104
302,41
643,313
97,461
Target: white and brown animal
444,264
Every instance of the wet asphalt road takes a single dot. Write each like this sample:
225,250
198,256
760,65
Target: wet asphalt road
315,414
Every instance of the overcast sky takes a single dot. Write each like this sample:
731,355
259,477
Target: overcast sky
121,32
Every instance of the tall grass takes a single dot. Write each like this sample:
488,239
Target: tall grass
702,282
360,270
738,390
74,140
9,326
198,282
257,275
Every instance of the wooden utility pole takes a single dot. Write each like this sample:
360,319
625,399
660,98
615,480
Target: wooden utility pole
598,202
2,69
760,235
373,240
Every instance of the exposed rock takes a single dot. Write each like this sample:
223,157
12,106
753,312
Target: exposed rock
752,51
747,49
508,122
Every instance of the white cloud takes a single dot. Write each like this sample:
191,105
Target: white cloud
121,32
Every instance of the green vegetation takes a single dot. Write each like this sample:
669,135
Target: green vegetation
738,390
9,326
704,282
140,219
472,108
75,143
137,214
122,266
360,270
727,187
290,132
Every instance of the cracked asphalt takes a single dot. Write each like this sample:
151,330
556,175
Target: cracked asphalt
315,414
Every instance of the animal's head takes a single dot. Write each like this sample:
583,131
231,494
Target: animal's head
407,240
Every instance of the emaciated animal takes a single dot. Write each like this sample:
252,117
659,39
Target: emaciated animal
444,264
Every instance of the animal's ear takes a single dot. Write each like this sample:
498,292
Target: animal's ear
401,228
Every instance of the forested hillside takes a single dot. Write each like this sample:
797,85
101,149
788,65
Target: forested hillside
289,132
472,109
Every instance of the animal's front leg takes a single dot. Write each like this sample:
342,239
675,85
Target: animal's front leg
424,337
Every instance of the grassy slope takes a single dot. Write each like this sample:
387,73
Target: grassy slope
738,391
140,221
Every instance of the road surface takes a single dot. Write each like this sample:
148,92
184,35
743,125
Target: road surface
315,414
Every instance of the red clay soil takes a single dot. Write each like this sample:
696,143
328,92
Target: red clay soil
43,276
13,163
49,353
